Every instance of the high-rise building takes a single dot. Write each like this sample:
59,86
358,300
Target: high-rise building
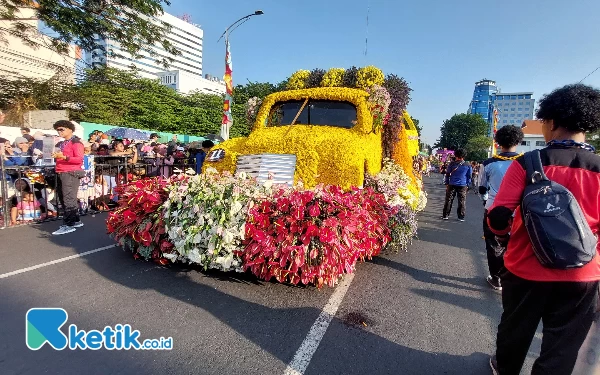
482,99
19,59
184,36
513,108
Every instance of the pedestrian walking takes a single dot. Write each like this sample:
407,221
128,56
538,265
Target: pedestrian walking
457,180
491,176
564,298
69,161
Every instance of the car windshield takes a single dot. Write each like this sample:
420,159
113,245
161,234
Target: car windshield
315,112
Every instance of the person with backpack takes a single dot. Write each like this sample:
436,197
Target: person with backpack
549,203
491,176
457,180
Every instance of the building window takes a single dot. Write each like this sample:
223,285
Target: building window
540,143
512,115
513,97
512,109
521,96
525,143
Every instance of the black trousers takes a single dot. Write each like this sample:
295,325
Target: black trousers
566,310
495,250
451,192
67,186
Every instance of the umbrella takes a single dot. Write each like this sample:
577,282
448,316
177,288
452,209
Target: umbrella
129,133
214,137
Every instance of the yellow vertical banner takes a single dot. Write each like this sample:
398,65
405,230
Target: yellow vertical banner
494,151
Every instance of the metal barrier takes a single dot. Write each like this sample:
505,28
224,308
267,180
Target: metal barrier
28,193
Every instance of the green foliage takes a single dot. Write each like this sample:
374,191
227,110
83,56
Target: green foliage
416,122
125,22
20,95
594,140
459,129
477,147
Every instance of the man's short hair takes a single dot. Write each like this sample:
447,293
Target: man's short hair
64,124
460,153
208,144
509,136
26,129
152,135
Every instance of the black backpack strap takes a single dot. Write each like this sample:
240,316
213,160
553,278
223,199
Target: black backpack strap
533,167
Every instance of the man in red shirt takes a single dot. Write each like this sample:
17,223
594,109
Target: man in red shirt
564,300
69,161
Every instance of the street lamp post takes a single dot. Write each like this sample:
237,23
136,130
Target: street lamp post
227,121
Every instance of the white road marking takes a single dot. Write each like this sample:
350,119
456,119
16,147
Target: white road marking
310,344
23,270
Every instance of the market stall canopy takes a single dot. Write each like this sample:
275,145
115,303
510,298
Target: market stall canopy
128,133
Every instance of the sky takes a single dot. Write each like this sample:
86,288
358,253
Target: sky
440,47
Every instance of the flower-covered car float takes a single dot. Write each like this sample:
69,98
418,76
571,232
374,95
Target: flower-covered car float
329,130
349,192
335,133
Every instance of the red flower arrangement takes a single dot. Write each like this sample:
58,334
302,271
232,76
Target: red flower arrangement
139,223
314,236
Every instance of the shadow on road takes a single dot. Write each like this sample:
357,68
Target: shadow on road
473,283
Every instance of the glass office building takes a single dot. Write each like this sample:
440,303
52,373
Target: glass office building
513,108
481,104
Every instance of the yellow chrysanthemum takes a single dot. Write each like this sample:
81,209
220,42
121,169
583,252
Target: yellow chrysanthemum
333,78
369,76
412,135
298,80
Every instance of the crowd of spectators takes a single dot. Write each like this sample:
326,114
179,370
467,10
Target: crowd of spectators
114,161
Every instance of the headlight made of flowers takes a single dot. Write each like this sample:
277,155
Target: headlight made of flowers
216,155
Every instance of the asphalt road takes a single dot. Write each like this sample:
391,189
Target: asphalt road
425,311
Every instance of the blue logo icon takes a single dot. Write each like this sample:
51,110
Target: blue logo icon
43,326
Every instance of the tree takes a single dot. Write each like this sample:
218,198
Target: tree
459,129
594,140
416,122
79,22
477,147
20,95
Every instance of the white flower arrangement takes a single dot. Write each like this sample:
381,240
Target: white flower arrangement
205,217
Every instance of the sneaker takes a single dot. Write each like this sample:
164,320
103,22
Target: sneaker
494,282
77,224
445,218
461,220
494,365
64,229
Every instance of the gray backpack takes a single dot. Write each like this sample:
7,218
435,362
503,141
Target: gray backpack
557,228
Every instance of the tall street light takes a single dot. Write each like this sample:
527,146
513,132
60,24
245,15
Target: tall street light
227,121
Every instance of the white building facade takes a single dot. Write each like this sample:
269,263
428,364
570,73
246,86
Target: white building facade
20,60
185,83
513,108
184,73
534,139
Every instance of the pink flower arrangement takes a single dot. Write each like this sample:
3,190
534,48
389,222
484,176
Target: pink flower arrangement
139,223
314,237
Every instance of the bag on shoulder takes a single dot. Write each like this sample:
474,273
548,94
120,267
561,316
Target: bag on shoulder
557,228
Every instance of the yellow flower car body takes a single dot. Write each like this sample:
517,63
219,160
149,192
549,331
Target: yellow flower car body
325,154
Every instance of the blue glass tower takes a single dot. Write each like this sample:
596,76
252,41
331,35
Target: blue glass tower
481,103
